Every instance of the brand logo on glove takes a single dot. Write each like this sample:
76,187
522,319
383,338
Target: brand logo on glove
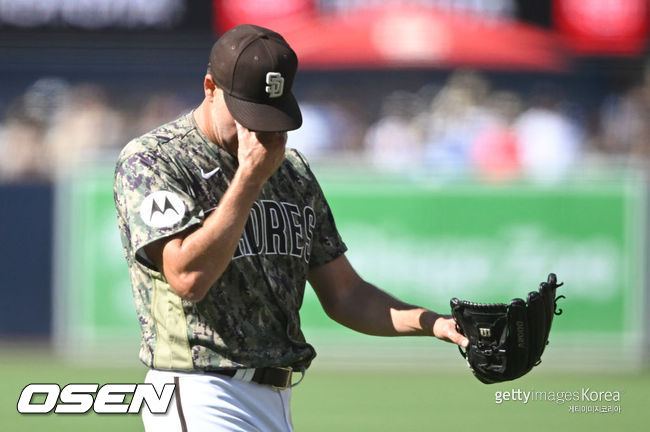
521,341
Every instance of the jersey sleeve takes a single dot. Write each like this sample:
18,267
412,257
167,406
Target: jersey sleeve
152,203
326,244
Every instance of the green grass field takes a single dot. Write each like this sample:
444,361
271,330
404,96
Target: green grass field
349,400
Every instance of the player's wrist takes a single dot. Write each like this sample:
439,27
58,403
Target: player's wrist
428,320
249,178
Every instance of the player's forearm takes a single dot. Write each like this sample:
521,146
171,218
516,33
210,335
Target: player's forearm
405,319
369,310
194,263
353,302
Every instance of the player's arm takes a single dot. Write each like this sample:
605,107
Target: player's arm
193,261
361,306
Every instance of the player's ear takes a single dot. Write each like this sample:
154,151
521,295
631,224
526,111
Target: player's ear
209,87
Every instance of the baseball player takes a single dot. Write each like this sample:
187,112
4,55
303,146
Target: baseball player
222,226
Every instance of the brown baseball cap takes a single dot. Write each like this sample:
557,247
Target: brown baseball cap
255,68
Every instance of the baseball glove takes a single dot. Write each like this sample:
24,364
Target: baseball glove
507,340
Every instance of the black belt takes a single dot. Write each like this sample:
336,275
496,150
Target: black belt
276,377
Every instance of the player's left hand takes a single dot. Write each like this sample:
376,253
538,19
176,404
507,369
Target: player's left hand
445,329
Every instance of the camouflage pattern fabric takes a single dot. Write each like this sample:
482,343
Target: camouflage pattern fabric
168,181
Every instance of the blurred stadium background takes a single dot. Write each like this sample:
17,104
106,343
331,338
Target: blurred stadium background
467,147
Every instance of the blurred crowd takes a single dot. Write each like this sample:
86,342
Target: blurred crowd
54,127
461,127
466,128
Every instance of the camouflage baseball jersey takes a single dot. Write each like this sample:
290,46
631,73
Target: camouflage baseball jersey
168,181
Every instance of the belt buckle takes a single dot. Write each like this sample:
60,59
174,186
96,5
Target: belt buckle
287,383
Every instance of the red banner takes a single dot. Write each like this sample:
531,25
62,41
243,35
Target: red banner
602,27
394,36
229,13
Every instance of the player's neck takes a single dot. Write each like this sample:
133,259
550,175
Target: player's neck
202,120
206,125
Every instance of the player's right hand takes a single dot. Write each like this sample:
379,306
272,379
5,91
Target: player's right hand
260,153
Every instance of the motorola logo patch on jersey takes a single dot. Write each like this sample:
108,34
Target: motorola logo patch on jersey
162,209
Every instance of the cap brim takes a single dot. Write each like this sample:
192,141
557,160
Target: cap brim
281,114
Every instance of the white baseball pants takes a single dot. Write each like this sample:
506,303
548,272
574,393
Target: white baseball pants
206,403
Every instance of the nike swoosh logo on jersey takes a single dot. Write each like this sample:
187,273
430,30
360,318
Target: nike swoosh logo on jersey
207,175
